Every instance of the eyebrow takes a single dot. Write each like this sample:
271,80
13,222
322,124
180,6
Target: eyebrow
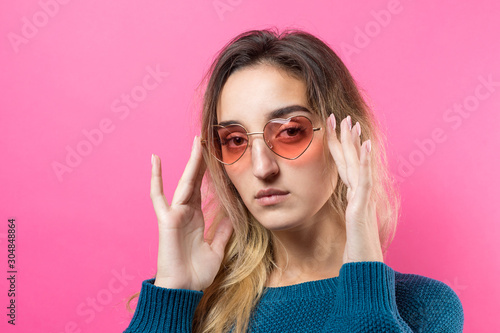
278,113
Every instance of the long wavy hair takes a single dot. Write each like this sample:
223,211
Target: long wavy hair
228,302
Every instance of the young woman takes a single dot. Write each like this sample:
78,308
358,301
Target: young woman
303,207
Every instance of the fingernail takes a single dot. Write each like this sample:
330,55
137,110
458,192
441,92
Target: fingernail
152,158
358,127
349,122
368,146
332,121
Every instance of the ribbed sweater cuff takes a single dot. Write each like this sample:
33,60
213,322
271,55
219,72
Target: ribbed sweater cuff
164,310
366,286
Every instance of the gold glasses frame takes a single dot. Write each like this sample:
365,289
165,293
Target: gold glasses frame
268,144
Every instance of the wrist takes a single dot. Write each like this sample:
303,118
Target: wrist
174,284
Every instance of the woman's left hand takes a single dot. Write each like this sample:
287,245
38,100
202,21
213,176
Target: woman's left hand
353,162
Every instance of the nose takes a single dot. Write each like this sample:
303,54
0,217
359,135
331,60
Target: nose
264,163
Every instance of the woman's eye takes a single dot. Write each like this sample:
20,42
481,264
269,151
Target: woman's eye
234,141
291,132
237,140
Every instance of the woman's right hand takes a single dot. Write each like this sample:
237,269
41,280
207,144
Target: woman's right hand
186,260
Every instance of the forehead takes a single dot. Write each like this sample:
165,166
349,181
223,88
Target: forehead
253,95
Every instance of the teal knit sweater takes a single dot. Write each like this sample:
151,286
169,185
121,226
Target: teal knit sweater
366,297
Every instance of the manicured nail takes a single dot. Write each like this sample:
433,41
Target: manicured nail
349,122
368,146
152,158
358,127
332,121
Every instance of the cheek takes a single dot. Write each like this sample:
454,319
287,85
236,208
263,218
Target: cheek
313,167
313,157
236,173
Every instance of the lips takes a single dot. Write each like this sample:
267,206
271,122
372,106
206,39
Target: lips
271,197
270,192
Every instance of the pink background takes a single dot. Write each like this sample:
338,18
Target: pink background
86,239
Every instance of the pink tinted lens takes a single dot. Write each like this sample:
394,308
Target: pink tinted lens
289,138
232,143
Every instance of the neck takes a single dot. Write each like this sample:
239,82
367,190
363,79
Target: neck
313,252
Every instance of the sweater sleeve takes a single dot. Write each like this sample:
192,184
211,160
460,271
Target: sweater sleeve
163,310
366,302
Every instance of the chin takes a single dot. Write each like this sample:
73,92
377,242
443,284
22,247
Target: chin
281,224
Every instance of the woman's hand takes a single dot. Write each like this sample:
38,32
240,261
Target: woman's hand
186,260
353,162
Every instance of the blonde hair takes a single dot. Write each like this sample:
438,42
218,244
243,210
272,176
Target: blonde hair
228,302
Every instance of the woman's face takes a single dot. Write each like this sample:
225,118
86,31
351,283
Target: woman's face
249,96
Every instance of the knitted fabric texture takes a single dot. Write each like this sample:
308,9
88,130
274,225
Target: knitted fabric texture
366,297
